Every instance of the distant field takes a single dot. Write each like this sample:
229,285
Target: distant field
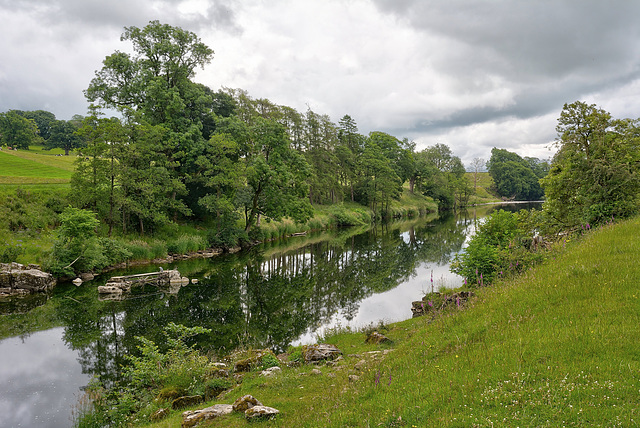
34,167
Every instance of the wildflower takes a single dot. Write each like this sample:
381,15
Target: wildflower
430,303
389,384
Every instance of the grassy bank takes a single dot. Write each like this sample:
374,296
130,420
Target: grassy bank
558,346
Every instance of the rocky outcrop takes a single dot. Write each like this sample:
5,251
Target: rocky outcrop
320,352
249,405
119,285
17,279
194,417
437,301
260,412
376,338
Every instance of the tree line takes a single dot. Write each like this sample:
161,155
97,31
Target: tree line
181,150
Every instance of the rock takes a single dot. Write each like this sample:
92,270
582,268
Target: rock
260,412
377,338
320,352
271,371
354,378
194,280
186,401
315,372
86,276
359,365
17,279
194,417
77,282
159,415
253,360
245,402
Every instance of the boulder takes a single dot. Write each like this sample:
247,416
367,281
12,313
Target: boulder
86,276
271,371
194,417
377,338
260,412
19,279
159,414
77,282
320,352
244,403
186,401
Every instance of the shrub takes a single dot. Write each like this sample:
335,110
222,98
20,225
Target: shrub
9,253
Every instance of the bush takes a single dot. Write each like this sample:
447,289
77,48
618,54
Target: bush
501,246
10,253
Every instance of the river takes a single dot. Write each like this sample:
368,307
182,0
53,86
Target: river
274,295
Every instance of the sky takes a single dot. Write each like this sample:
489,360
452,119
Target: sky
471,74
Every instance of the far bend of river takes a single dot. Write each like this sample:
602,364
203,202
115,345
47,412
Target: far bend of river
273,295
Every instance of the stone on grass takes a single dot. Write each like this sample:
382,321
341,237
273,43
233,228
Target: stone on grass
320,352
186,401
377,338
271,371
260,412
245,402
159,414
194,417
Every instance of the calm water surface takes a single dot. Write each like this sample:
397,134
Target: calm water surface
274,295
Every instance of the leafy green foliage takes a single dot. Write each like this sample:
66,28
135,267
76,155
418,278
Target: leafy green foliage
594,175
501,246
516,177
17,131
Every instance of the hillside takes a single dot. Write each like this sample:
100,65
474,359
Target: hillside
484,192
34,167
557,346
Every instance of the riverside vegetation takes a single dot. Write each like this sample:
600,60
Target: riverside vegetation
555,345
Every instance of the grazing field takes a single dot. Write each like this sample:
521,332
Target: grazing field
34,167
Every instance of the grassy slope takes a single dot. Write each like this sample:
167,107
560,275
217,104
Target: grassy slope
559,346
34,167
483,193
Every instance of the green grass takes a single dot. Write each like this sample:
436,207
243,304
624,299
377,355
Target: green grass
26,167
557,346
484,186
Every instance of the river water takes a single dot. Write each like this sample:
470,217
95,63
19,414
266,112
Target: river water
274,295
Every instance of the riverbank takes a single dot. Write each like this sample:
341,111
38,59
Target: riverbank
556,346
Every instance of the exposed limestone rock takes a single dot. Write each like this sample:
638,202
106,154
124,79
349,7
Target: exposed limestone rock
271,371
253,359
260,412
17,279
194,417
186,401
437,301
77,282
376,338
159,415
245,402
86,276
118,285
360,365
320,352
354,378
315,372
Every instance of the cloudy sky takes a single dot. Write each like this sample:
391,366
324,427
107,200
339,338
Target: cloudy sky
471,74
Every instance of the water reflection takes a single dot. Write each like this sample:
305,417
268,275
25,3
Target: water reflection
274,295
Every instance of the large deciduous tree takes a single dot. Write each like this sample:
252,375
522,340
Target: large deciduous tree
515,177
17,131
594,174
